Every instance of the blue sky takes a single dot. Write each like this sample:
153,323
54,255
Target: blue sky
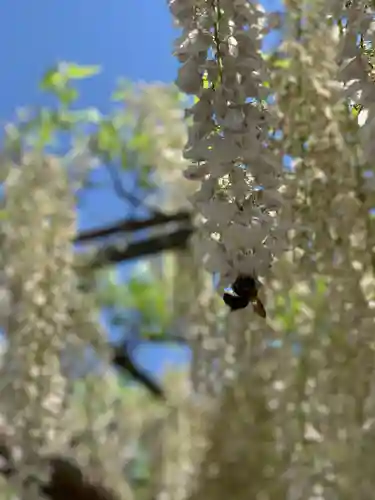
128,38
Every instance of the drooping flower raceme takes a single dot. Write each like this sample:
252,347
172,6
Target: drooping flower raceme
38,258
239,199
357,70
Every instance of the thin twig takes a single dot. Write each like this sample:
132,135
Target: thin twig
123,360
123,193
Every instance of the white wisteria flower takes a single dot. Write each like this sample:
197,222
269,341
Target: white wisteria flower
239,198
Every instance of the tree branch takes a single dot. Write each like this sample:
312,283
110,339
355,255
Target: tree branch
113,254
123,193
123,360
132,225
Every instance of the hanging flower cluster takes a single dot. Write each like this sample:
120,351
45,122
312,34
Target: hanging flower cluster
157,111
239,198
38,257
356,59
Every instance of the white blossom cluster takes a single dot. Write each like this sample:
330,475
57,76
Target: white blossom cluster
356,71
38,258
156,110
239,198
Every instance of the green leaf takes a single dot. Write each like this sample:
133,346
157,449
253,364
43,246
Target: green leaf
91,115
56,79
321,287
145,181
67,95
63,120
139,142
205,82
3,215
356,109
122,91
118,95
282,63
108,138
53,80
46,125
74,71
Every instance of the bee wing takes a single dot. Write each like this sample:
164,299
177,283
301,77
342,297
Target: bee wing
259,308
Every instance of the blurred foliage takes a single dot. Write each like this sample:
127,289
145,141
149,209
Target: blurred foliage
112,138
141,303
116,140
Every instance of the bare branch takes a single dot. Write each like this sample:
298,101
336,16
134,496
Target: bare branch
150,246
122,192
123,360
130,225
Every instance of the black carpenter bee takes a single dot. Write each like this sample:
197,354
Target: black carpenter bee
245,290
